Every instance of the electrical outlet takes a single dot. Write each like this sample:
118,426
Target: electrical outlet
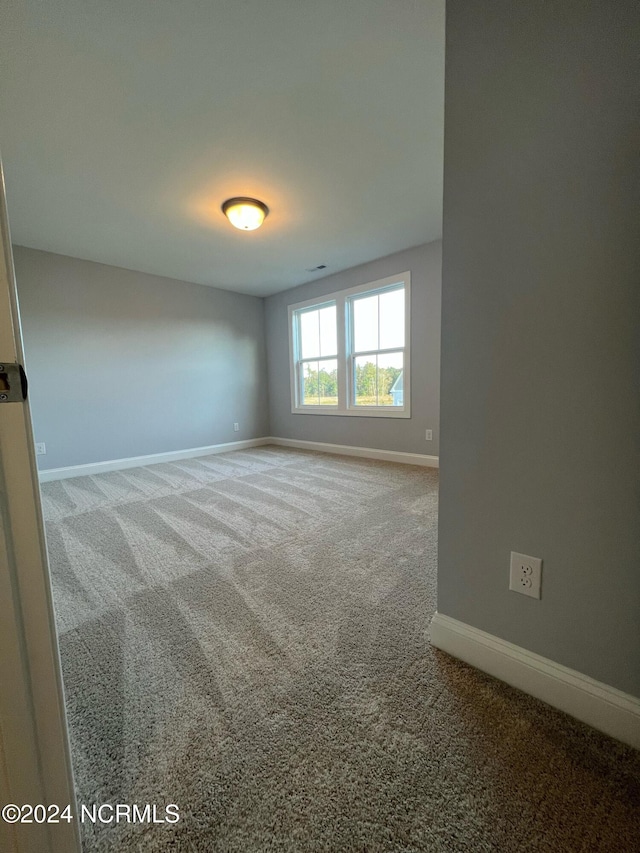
41,448
236,427
428,435
525,574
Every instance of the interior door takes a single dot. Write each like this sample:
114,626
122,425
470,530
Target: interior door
35,764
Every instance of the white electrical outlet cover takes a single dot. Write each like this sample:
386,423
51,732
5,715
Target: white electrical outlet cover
525,574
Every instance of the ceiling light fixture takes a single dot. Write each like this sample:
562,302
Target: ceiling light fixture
247,214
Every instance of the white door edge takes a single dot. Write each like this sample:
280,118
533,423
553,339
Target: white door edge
34,743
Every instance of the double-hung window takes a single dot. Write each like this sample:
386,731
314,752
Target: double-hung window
350,351
317,365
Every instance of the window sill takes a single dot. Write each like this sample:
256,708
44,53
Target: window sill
353,413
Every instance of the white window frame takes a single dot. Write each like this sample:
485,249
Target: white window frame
296,369
346,403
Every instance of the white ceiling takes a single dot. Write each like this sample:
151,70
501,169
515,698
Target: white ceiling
124,124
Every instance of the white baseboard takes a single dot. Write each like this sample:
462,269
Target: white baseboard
49,474
603,707
152,459
366,452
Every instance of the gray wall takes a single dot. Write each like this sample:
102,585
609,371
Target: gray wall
540,344
123,363
407,435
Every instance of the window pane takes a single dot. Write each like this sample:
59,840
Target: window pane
392,319
328,382
328,331
320,382
309,334
365,324
365,380
310,383
390,379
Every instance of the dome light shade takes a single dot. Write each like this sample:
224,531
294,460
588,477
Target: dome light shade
247,214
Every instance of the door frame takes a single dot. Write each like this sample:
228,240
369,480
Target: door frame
35,759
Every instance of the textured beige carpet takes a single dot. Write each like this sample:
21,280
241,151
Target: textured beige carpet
247,636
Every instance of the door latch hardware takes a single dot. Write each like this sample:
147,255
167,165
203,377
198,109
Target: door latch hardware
13,383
